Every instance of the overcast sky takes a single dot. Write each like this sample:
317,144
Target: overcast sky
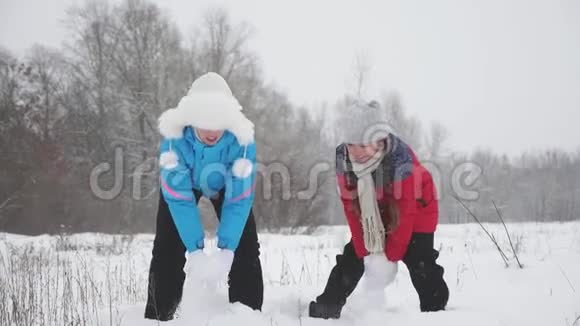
499,74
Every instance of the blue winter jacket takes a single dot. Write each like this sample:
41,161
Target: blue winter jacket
208,169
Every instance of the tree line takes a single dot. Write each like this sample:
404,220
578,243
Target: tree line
83,117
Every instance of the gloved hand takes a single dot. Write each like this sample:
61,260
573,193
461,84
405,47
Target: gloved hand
196,267
379,272
220,264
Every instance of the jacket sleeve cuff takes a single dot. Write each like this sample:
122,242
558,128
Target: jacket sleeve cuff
227,244
395,253
199,245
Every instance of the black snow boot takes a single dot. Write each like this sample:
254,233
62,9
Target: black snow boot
324,310
342,281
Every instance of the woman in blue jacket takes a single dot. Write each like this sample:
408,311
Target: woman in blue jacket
207,150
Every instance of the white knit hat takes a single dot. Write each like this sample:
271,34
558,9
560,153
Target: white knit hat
209,104
361,123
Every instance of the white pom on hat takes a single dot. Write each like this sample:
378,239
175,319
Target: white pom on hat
242,168
168,160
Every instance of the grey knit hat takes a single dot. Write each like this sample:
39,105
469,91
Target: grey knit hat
361,123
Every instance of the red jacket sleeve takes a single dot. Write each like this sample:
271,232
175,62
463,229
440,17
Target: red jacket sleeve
403,197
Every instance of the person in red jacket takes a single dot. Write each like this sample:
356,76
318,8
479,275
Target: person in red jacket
391,207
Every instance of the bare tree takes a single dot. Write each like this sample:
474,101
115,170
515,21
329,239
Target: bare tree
49,66
435,143
92,96
142,64
408,128
362,70
221,46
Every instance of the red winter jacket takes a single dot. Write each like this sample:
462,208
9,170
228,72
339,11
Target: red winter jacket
401,181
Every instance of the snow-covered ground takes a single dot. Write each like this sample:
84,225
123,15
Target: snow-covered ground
102,280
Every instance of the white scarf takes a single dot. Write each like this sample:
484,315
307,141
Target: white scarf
373,228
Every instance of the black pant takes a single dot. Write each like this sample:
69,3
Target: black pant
426,275
166,276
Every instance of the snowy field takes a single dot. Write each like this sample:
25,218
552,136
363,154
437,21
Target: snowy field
96,279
